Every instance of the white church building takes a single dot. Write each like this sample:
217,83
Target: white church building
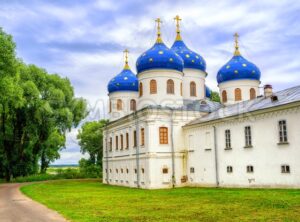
164,131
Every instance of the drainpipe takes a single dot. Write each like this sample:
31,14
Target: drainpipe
216,156
106,154
137,150
172,150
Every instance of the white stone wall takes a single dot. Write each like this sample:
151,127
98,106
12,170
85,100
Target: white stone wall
126,97
161,97
199,78
245,85
266,156
153,155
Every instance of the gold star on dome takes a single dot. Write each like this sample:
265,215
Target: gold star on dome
187,55
236,72
227,67
161,52
244,65
171,59
150,60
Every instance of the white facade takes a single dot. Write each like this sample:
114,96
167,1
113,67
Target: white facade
161,97
124,98
197,77
245,85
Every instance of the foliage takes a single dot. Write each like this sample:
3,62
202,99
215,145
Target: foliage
90,138
36,111
68,173
90,169
98,202
215,96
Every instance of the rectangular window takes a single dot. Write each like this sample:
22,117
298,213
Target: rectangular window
110,144
248,138
282,131
250,169
127,140
285,169
165,171
163,135
142,137
192,170
117,142
227,139
229,169
122,142
134,139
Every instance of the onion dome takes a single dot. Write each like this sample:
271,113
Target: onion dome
191,59
159,56
124,81
238,67
207,92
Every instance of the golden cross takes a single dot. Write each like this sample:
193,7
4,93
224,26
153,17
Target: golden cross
126,58
158,21
177,19
236,41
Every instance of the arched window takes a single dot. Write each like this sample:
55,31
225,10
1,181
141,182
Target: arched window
141,89
170,86
119,104
133,105
110,106
252,93
224,96
238,94
181,89
153,87
193,90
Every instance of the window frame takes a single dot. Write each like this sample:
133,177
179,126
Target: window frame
282,132
250,169
133,105
248,136
141,89
285,168
119,105
229,169
127,141
224,96
117,143
142,136
163,135
122,142
238,94
170,87
193,89
228,139
153,86
252,92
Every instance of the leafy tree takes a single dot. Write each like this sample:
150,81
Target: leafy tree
90,138
215,96
36,111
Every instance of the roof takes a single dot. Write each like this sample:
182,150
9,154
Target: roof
286,96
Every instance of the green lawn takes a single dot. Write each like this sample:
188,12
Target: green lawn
94,202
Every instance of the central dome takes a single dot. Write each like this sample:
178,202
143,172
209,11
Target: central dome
191,59
159,56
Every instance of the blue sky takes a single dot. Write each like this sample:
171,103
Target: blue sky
83,40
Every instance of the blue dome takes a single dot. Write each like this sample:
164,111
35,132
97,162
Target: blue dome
207,92
191,59
238,68
159,56
125,81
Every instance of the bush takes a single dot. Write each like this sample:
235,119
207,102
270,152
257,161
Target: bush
88,168
68,173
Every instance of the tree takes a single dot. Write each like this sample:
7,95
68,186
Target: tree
215,96
36,111
90,138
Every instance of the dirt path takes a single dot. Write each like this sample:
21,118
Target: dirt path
15,207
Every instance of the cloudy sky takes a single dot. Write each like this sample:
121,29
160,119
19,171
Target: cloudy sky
83,40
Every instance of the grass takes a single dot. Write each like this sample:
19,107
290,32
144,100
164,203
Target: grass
91,201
